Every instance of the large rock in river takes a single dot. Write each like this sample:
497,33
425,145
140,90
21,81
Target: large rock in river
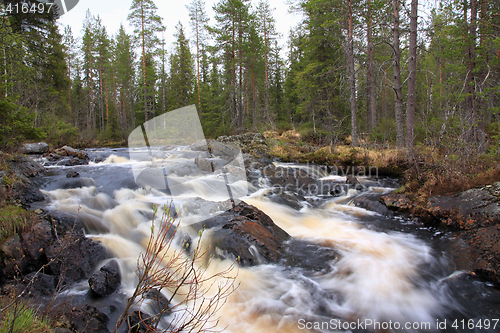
35,148
474,216
248,233
477,207
105,281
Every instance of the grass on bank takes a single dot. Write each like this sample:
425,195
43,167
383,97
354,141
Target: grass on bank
20,317
14,219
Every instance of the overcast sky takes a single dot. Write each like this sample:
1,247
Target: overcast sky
114,12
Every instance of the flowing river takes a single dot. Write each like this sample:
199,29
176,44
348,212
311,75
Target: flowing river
358,270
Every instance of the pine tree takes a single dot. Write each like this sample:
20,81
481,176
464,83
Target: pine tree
398,91
199,21
124,63
267,30
412,78
181,71
230,33
146,25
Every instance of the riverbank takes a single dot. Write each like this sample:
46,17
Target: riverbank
459,195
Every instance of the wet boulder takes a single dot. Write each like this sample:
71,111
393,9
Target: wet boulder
35,243
76,157
86,319
35,148
69,151
397,202
292,179
287,198
40,284
53,157
14,260
138,322
25,166
204,164
63,222
222,150
159,302
72,174
28,193
474,216
247,233
75,256
105,281
77,183
352,180
371,205
309,256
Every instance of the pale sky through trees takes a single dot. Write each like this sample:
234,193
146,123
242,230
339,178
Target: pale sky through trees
114,12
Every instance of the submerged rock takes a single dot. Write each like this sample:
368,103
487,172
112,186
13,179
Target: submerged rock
72,174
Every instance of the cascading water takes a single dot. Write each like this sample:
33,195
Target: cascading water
365,268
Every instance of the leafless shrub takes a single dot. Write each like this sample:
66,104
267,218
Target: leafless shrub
196,294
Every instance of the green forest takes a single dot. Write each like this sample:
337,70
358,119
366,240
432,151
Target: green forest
358,71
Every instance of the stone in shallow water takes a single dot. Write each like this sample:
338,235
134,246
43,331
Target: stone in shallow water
72,174
106,280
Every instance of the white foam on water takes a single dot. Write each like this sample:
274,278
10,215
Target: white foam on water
377,271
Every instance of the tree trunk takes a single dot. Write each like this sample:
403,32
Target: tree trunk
144,62
352,78
398,95
198,65
412,78
266,73
370,77
102,97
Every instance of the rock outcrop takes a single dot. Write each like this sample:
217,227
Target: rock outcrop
54,243
247,233
86,319
249,143
472,215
